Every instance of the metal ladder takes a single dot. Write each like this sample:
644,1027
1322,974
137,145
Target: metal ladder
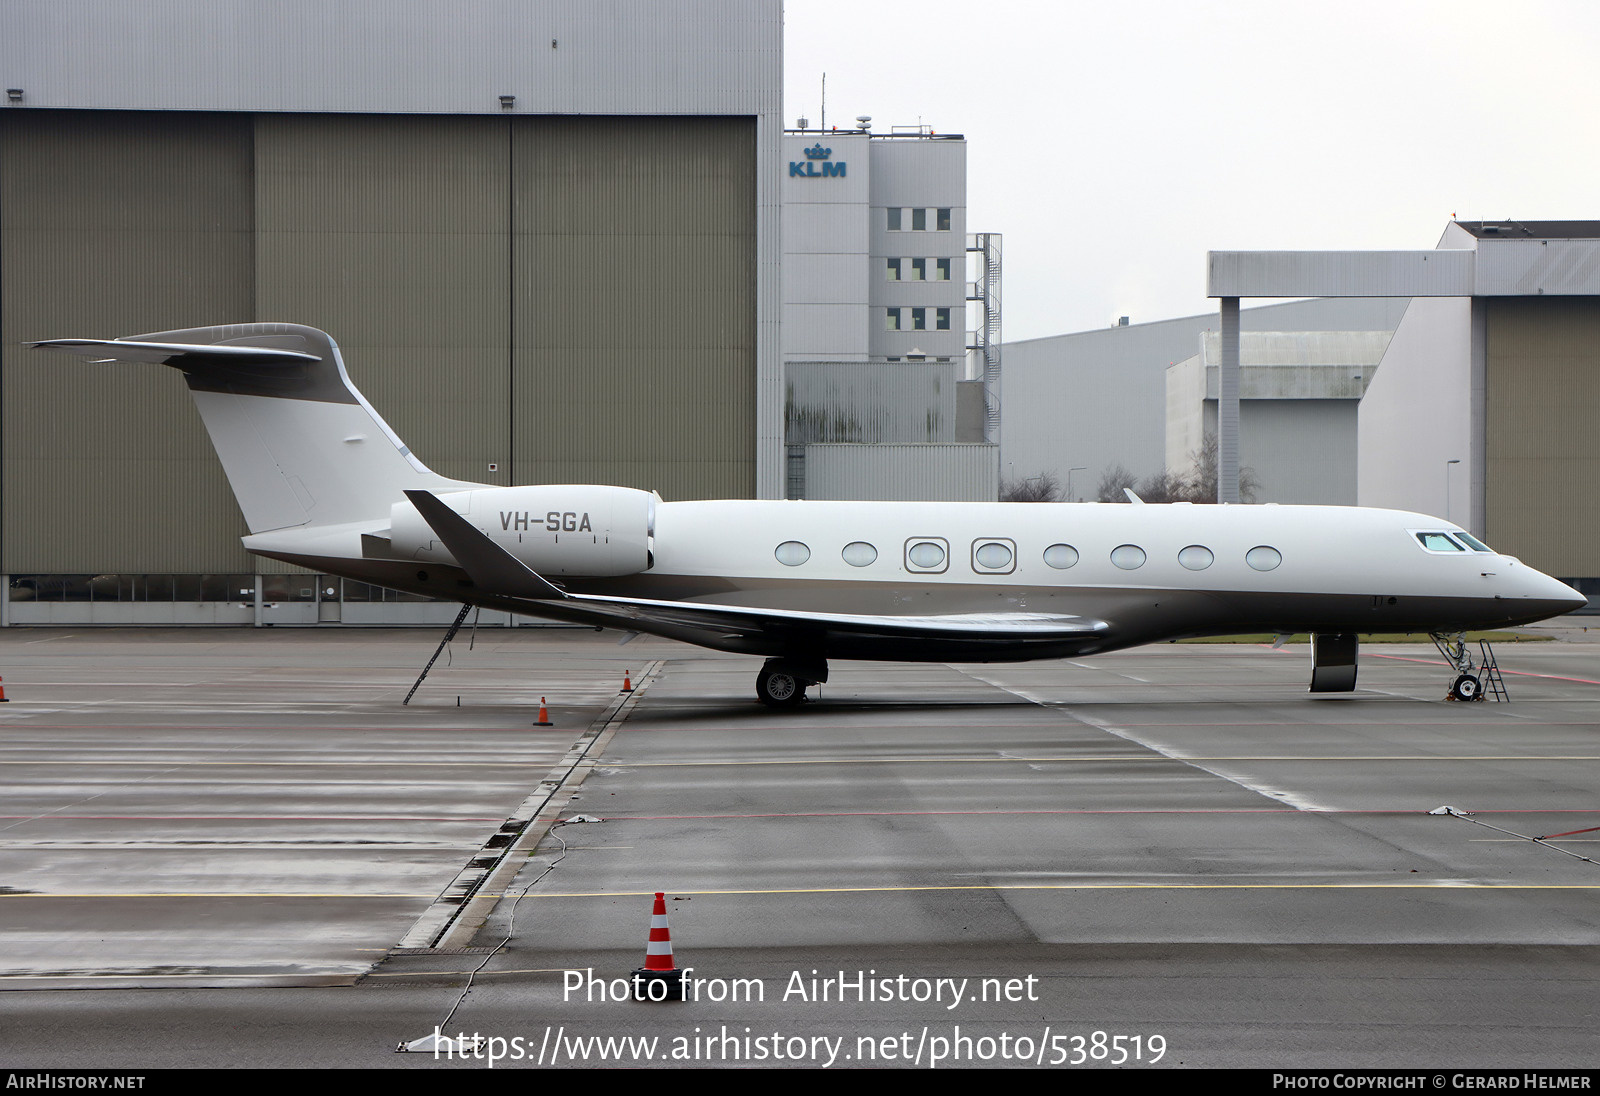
1491,672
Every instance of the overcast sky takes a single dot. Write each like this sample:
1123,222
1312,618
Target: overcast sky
1114,144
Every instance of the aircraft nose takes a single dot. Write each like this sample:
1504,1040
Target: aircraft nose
1570,599
1554,597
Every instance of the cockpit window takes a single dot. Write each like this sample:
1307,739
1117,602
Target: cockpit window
1439,542
1473,542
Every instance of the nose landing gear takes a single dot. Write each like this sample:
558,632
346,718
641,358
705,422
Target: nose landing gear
1471,676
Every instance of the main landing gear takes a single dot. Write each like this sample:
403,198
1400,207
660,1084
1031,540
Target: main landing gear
1471,676
782,681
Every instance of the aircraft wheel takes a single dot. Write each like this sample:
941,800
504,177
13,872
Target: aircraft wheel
1466,687
779,689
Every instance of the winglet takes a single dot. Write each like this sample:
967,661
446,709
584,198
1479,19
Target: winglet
489,566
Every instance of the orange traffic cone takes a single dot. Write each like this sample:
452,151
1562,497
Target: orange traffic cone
627,682
658,979
544,715
3,697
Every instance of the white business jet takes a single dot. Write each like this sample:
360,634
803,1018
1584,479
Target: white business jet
325,483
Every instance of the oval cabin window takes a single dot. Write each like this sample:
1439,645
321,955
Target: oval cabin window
1128,556
791,553
1061,556
860,554
926,554
992,556
1196,557
1263,558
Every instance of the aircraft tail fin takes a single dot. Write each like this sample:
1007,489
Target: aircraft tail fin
300,445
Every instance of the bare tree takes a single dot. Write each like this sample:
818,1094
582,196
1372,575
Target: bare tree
1198,484
1203,478
1163,487
1041,488
1112,482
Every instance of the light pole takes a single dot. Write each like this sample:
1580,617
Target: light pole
1074,468
1447,465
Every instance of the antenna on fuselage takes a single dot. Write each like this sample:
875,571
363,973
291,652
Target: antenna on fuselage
1131,496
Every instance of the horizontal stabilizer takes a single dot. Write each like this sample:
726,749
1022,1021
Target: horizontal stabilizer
180,355
241,368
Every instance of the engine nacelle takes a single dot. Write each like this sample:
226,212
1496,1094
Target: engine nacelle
566,529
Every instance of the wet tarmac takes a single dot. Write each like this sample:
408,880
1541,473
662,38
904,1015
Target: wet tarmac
274,862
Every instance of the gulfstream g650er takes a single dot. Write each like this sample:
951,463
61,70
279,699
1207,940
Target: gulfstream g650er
325,483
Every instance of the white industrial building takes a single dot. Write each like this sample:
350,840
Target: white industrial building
1480,405
875,246
1299,393
1486,403
1076,405
875,274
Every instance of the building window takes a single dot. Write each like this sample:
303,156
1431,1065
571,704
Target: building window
941,319
894,269
944,220
919,220
941,272
894,220
919,319
893,320
919,270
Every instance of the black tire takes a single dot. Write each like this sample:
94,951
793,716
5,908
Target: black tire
779,689
1467,687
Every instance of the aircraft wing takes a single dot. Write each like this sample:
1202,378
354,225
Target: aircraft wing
494,569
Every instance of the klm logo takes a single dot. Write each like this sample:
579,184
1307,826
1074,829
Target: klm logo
817,156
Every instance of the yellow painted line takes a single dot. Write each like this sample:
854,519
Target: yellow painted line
178,762
1101,886
430,895
506,764
298,978
480,974
1103,757
871,890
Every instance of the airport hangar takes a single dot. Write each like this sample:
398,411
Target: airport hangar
1483,403
546,237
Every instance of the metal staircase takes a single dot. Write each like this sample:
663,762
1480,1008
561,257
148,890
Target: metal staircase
1491,672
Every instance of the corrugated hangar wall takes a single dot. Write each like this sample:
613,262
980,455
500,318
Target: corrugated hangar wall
636,301
113,224
1543,370
569,298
